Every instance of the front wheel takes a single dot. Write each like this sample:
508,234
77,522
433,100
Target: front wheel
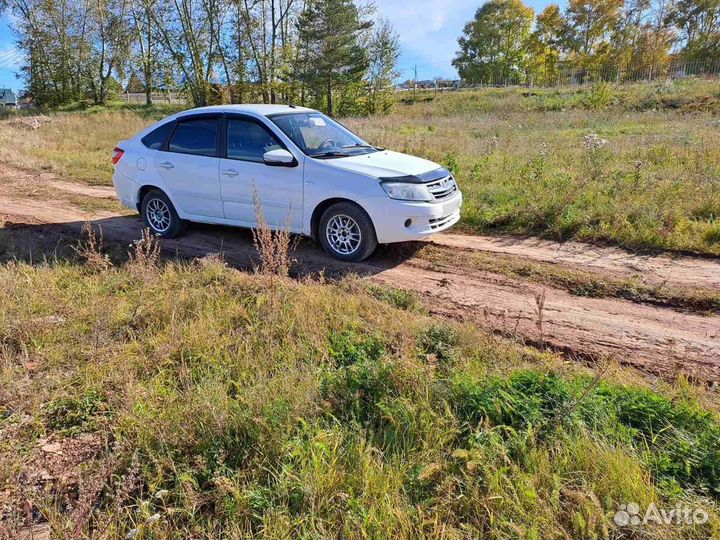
160,215
347,233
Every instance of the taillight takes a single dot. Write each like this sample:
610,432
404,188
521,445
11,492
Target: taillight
117,153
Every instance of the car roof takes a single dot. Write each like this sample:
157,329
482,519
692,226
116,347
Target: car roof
260,109
257,109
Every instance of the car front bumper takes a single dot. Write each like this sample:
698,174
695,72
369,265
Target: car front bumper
402,221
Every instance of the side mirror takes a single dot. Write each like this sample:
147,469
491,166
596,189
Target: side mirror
279,158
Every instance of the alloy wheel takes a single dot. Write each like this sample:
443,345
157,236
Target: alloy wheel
158,215
343,234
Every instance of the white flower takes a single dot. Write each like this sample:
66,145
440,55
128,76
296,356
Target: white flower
593,142
152,519
161,494
132,534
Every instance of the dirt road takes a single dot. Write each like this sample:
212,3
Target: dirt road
655,339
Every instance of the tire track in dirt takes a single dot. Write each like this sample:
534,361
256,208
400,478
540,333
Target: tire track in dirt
669,269
654,339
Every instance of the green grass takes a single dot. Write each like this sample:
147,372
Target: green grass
222,404
524,168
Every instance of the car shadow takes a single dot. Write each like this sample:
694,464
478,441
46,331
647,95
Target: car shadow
47,242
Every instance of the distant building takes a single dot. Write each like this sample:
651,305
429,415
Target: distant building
7,98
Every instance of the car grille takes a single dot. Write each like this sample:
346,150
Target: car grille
440,222
443,188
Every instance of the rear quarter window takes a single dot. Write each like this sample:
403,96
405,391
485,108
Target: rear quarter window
197,136
157,137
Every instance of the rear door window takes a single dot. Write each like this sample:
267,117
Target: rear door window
197,137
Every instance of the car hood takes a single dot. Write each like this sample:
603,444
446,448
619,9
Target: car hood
385,164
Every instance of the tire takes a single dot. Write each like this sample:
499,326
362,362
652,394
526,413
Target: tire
155,209
347,233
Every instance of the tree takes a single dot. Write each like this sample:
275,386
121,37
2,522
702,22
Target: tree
53,33
146,47
492,47
266,28
323,51
383,51
330,33
698,22
545,44
134,85
187,31
108,33
590,27
641,40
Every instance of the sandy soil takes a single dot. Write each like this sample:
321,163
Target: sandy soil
657,340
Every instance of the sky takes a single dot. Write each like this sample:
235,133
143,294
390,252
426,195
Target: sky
428,32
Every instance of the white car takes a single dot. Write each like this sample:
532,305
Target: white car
310,174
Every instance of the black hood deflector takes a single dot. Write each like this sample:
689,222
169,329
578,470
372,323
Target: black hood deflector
423,178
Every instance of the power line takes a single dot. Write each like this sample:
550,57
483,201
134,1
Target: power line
8,52
9,61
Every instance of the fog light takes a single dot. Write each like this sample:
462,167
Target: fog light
408,222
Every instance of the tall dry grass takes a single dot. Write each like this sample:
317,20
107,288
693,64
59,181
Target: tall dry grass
274,245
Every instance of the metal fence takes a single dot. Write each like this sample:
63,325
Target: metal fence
157,97
565,75
674,69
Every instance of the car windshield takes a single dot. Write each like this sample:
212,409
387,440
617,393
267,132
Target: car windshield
320,136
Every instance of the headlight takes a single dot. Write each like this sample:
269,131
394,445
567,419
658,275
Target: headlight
406,192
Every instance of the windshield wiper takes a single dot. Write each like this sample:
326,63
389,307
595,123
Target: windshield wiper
330,154
359,145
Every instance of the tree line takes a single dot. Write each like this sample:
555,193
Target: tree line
506,43
334,55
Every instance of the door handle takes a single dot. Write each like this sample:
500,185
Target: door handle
230,172
167,165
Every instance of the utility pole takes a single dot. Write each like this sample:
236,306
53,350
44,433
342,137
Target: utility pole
415,82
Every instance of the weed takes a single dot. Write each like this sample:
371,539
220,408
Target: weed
144,255
308,417
274,246
90,248
74,415
439,342
348,347
600,96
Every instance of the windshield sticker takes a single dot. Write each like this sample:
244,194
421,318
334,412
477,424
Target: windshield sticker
318,121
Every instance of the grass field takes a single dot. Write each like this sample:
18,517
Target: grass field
165,399
197,401
637,166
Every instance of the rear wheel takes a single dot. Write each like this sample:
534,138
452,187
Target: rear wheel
347,233
160,215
